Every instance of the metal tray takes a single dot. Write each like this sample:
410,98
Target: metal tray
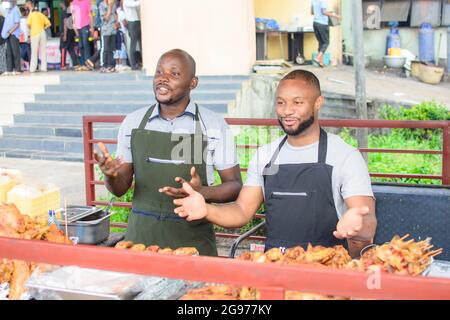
72,294
75,213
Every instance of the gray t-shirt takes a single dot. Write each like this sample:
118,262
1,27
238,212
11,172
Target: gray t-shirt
350,174
107,27
221,153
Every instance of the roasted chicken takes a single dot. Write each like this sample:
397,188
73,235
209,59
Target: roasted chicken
15,225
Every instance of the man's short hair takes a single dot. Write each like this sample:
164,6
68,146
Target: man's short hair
188,58
304,75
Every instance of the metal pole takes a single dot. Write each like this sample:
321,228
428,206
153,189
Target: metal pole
358,65
446,155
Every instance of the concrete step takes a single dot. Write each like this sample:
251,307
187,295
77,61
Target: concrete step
47,144
102,107
72,131
92,76
125,86
41,155
129,95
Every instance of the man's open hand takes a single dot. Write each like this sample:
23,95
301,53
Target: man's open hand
107,165
193,206
351,224
179,193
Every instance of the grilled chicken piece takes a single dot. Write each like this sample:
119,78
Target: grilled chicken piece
166,251
124,245
20,275
153,249
6,270
274,254
8,232
10,216
55,235
186,251
138,247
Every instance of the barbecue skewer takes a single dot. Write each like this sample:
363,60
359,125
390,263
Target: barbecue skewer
65,220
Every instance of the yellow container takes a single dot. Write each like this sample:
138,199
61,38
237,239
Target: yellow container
394,52
6,184
35,201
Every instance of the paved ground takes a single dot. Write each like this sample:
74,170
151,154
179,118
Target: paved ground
382,84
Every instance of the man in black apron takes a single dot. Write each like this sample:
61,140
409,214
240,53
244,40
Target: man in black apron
158,169
316,188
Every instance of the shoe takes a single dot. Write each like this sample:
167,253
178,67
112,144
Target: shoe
110,70
89,64
317,63
83,68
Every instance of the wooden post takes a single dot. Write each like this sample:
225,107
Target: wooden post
359,66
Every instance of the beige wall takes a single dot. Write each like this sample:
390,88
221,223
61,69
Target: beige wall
219,34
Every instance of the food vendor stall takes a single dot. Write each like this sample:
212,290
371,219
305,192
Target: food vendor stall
394,270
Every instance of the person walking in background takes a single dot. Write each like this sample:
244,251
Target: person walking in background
24,39
321,28
107,10
11,33
67,43
83,23
108,31
132,9
46,12
38,23
121,53
2,45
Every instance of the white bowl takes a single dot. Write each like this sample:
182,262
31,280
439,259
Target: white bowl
394,62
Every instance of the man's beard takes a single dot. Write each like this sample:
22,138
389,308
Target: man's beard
302,127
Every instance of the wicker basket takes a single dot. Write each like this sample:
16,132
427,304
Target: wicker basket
431,74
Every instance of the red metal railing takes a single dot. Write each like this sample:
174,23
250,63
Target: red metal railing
89,141
229,271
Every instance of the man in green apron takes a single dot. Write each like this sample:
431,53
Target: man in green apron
316,188
165,145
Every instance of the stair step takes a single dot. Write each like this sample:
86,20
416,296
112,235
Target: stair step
133,95
47,144
41,155
112,86
50,130
102,107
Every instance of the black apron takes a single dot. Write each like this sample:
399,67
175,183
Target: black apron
299,202
152,221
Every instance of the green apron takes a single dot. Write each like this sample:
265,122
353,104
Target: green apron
152,221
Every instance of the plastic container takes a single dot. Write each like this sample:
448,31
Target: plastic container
393,40
6,184
35,201
426,43
51,217
394,62
394,52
